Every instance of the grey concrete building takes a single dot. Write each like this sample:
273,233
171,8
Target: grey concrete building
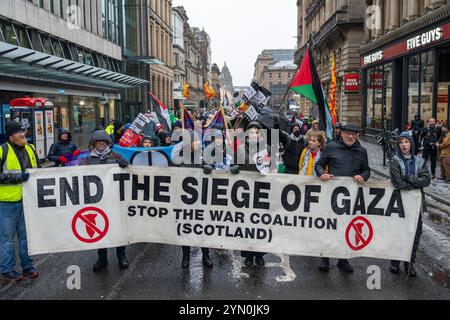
68,52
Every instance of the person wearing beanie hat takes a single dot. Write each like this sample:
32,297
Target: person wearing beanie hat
16,155
100,146
408,172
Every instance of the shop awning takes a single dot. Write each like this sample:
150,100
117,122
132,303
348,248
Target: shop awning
36,65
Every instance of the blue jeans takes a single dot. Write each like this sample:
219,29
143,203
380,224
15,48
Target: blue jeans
12,222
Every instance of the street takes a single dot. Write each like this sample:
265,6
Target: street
155,273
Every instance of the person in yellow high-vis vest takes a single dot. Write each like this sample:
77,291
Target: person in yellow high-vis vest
16,155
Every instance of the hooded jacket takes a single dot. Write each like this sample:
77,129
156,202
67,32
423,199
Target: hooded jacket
344,161
418,179
109,158
61,148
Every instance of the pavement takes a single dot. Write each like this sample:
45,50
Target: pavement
438,190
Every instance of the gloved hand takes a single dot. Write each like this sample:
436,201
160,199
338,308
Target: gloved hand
207,169
25,176
76,153
411,179
63,159
122,163
235,169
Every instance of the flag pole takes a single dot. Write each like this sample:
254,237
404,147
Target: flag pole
288,88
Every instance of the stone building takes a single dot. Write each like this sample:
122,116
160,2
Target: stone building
160,33
404,63
333,26
274,70
226,84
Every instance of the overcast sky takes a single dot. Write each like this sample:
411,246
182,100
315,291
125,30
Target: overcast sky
241,29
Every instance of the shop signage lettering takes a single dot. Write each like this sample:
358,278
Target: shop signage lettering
374,57
425,38
351,82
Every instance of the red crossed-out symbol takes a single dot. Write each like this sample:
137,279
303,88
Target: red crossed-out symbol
361,239
88,217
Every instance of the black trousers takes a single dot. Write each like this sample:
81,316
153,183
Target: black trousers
250,254
187,251
103,253
288,170
431,153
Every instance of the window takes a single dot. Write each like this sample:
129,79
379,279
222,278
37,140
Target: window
279,75
52,7
420,85
8,33
61,8
23,38
379,97
270,75
66,50
41,4
46,45
57,48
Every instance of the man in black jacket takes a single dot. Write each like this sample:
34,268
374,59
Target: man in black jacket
344,158
431,136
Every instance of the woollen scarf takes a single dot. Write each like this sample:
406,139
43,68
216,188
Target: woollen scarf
307,169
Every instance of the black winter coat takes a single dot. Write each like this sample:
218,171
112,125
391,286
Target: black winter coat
61,148
343,161
292,152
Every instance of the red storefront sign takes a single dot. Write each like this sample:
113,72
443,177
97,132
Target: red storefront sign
376,81
410,44
351,82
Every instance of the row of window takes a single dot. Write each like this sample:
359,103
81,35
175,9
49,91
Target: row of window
34,40
110,14
279,75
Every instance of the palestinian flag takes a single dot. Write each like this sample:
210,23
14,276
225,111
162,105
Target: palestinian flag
307,83
162,112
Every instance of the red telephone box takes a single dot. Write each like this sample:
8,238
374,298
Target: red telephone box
36,115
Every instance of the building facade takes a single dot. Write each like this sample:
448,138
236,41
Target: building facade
226,84
333,27
274,70
160,34
215,84
179,19
68,53
405,63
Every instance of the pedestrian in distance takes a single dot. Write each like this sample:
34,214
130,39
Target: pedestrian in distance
16,156
430,138
409,172
444,155
343,158
100,146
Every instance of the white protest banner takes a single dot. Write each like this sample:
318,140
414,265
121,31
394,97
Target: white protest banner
90,207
